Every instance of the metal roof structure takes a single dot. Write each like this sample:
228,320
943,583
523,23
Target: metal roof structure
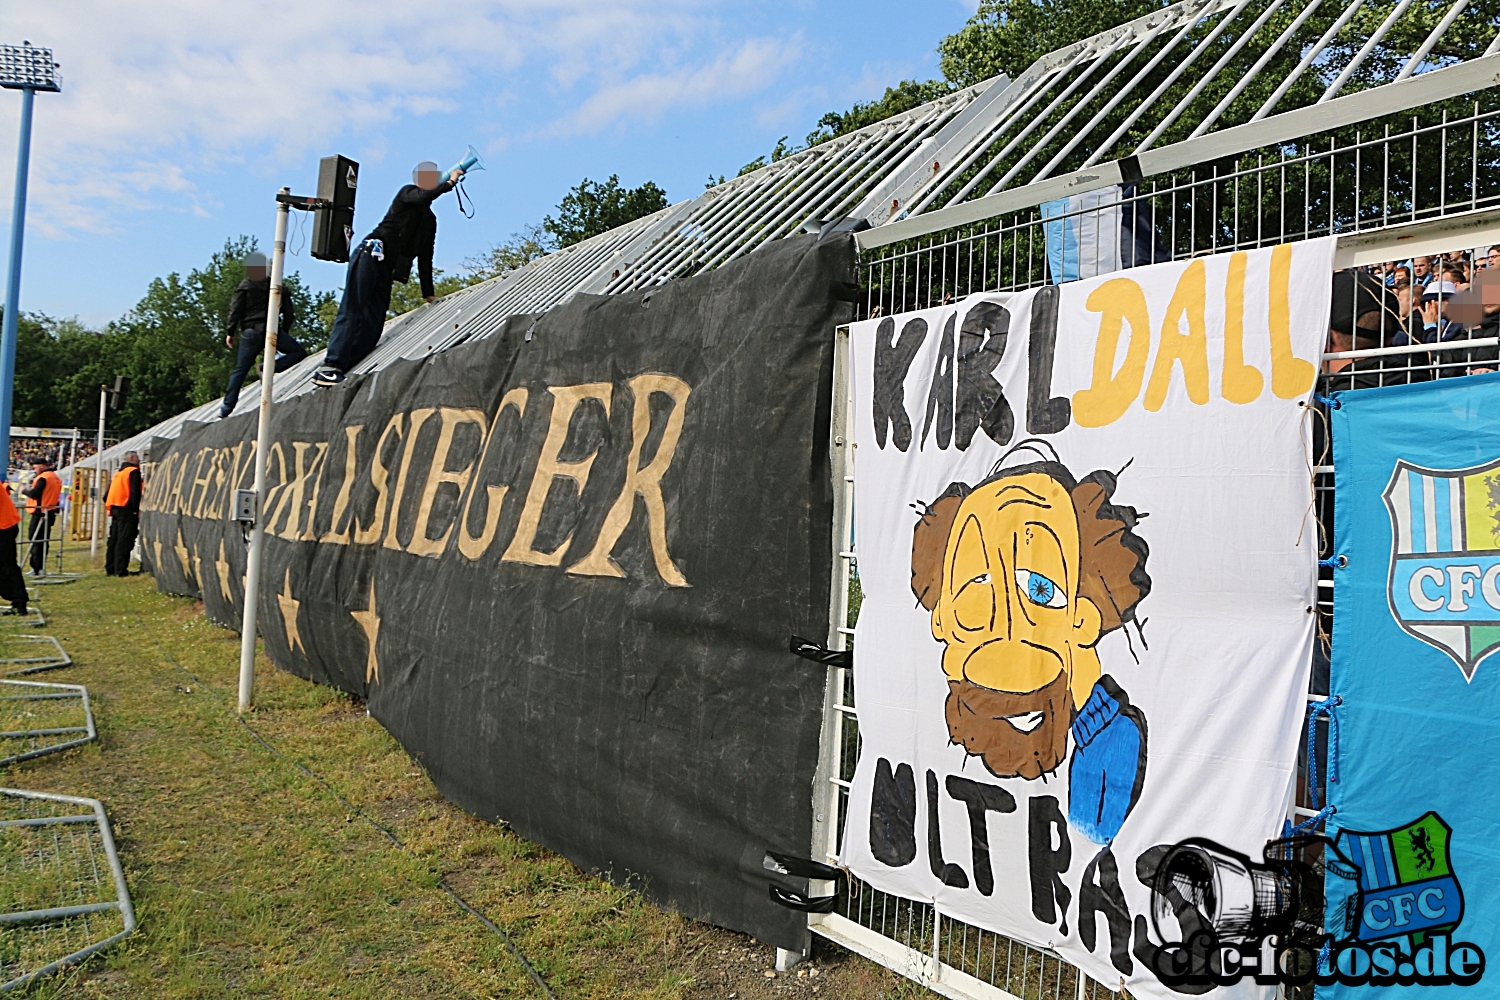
1191,83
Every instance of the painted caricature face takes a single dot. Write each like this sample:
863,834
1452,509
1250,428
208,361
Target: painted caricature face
1017,635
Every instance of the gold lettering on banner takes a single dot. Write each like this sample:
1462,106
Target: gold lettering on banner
1120,301
566,399
341,502
199,490
1242,383
437,474
293,499
276,488
1189,301
1291,376
474,546
645,483
240,470
378,476
418,418
179,506
215,483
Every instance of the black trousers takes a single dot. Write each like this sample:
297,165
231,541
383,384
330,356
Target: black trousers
361,318
252,342
124,526
12,583
41,530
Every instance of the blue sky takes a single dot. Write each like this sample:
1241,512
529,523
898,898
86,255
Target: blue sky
179,119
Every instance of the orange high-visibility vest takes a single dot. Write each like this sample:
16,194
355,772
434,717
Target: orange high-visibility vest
9,516
51,492
119,488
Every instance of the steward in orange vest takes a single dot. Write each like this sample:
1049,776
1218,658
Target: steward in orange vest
12,583
123,502
42,499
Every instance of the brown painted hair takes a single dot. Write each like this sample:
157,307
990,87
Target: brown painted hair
1112,556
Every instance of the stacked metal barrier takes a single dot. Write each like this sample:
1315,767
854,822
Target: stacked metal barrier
63,895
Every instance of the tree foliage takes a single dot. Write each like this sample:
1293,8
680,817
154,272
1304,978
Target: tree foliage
592,208
170,346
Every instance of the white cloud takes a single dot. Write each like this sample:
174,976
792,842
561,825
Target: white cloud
749,68
162,95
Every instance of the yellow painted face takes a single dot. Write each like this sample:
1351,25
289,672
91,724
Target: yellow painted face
1009,614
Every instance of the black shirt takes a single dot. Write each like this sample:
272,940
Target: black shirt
409,232
248,305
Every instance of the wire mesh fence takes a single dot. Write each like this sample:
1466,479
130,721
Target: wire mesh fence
37,718
1441,160
62,892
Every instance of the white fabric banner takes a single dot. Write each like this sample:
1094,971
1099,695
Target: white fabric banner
1050,683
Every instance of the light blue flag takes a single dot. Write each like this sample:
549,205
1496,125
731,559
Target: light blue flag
1417,689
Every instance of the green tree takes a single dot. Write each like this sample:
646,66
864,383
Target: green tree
903,96
592,208
532,242
1006,36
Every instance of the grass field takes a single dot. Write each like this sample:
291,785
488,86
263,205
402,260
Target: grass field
258,870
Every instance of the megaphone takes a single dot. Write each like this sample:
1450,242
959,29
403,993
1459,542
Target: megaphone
471,161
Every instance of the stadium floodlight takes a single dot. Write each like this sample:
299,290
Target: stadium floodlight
27,69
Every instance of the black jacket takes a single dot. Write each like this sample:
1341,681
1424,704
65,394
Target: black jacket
409,232
1460,362
248,305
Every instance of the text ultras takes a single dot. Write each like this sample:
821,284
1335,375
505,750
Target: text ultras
435,480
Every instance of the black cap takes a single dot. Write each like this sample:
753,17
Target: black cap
1356,293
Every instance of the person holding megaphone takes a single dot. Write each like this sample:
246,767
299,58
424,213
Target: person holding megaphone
407,233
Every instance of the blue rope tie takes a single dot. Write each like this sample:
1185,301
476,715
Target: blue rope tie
1307,825
1337,562
1315,710
1332,402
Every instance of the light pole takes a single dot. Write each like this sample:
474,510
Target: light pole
262,440
28,70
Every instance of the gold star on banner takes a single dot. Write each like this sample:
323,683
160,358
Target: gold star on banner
289,614
369,620
183,556
222,565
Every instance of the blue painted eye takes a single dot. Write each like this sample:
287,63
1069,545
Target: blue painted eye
1040,590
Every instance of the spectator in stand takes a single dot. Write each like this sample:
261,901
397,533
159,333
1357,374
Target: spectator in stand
1365,315
1475,315
1421,271
43,498
1493,259
1436,325
1400,274
123,504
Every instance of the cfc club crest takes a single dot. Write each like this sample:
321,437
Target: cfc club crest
1445,558
1406,889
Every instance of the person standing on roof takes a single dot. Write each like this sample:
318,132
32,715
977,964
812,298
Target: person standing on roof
12,583
247,318
407,233
43,498
123,503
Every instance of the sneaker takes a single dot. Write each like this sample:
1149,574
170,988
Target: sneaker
224,411
327,376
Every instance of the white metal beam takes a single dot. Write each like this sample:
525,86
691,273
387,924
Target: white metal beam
1414,92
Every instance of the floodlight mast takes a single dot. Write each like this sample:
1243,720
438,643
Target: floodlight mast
28,70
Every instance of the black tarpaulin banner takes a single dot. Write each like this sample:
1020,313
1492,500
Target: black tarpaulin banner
562,568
